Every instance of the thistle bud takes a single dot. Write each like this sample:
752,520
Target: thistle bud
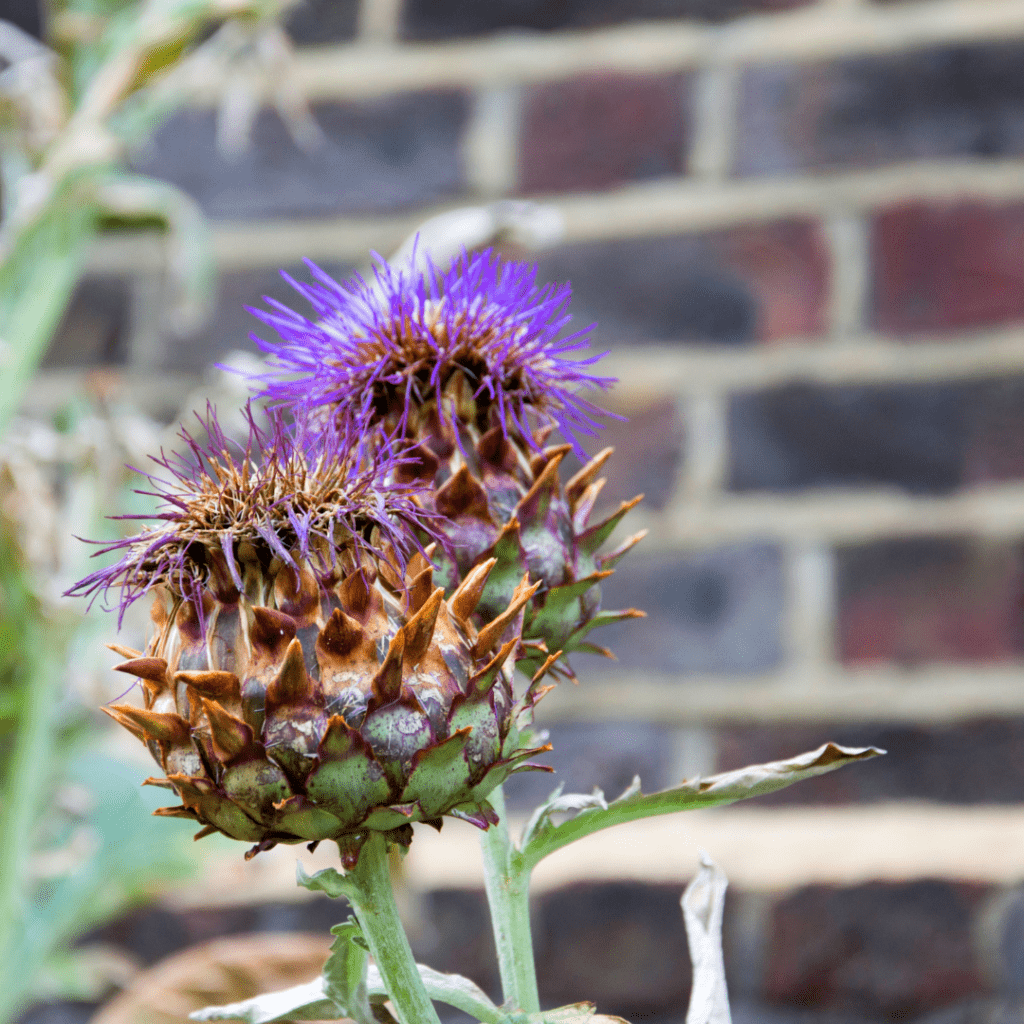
466,370
306,679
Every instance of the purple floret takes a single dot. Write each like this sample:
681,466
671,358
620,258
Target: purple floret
398,339
288,491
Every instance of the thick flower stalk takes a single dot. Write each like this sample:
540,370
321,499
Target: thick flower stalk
306,679
468,372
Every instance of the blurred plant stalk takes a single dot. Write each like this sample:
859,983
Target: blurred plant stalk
70,114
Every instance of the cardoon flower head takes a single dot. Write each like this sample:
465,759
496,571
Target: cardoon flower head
299,685
287,494
466,371
483,332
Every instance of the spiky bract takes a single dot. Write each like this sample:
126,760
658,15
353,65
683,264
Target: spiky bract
301,712
504,504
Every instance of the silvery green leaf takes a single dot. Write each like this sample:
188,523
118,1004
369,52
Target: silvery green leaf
345,972
452,989
558,803
190,257
310,1001
712,791
703,905
301,1002
328,881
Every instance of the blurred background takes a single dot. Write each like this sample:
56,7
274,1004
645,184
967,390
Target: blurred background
800,227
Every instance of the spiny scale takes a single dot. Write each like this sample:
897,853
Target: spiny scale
342,713
507,509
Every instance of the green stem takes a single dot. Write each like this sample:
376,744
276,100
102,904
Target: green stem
27,778
374,903
37,278
507,882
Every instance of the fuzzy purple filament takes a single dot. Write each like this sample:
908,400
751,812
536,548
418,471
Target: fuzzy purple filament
408,331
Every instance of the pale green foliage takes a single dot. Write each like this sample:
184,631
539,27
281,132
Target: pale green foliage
69,113
543,835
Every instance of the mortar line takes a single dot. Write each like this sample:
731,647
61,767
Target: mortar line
811,612
818,32
932,694
490,143
863,359
849,274
705,448
713,116
654,209
377,22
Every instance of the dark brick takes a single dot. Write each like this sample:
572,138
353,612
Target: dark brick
93,330
648,449
318,22
600,130
621,945
380,154
947,267
933,600
894,950
717,611
442,19
868,111
922,438
974,762
64,1011
232,323
457,937
602,754
751,284
152,933
27,15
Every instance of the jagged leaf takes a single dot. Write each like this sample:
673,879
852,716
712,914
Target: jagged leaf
328,881
345,973
712,791
310,1002
558,803
301,1002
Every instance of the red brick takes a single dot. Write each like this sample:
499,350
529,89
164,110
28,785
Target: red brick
891,950
869,111
648,450
601,130
707,611
931,438
621,945
920,601
943,268
760,283
320,22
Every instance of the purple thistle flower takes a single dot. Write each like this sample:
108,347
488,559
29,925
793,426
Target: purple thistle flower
288,493
376,349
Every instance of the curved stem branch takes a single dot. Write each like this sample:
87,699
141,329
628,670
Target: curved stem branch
507,882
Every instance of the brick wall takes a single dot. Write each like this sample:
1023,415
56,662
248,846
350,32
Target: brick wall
800,226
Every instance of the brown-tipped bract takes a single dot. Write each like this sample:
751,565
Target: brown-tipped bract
501,505
367,706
